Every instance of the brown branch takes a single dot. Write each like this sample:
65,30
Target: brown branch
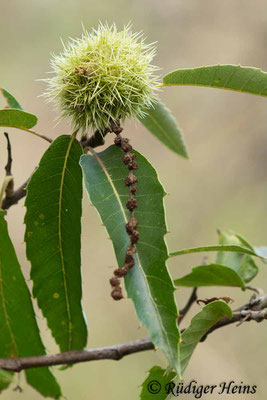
188,305
16,196
223,322
9,156
240,317
255,310
96,140
116,352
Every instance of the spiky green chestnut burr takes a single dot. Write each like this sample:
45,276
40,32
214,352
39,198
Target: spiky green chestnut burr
104,76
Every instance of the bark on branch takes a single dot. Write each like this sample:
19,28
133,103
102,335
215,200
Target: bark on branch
96,140
117,352
77,356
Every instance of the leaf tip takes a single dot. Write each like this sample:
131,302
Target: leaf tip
185,155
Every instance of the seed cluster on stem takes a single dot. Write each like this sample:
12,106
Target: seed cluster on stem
131,227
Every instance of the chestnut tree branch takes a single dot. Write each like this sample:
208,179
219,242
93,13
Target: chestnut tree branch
188,305
254,310
116,352
16,196
96,140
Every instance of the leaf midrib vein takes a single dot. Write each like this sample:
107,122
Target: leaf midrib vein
168,139
61,241
2,295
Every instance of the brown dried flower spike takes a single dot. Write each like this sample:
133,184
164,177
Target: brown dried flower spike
131,227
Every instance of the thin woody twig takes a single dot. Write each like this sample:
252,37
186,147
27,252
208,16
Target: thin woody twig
116,352
188,305
16,196
10,186
9,156
97,139
77,356
254,310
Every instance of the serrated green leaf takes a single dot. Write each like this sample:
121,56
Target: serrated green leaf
53,241
243,264
148,284
160,121
17,119
223,248
200,324
232,77
19,334
11,101
211,275
154,387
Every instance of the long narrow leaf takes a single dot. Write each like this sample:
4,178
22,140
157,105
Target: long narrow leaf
148,284
53,241
19,334
200,324
220,248
160,383
231,77
162,124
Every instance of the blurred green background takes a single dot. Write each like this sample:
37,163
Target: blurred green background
223,185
